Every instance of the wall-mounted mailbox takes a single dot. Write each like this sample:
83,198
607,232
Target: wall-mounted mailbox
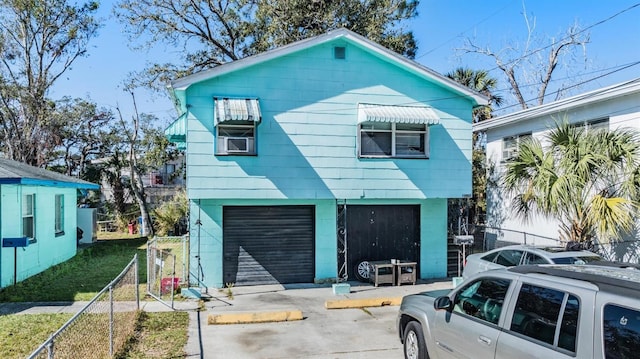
15,242
463,240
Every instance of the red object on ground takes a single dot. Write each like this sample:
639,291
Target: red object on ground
165,284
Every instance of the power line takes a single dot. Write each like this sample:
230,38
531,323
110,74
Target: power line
464,31
580,83
568,37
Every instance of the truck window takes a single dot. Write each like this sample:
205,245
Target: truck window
482,299
538,312
621,332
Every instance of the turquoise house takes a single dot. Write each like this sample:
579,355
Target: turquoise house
38,219
307,161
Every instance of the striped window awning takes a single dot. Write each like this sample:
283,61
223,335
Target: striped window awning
236,109
177,130
397,114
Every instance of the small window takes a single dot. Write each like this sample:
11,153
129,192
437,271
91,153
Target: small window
510,145
509,258
491,256
539,310
482,299
236,139
532,258
59,216
602,123
382,139
339,52
28,215
621,332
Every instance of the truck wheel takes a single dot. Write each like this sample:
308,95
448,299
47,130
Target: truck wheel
414,346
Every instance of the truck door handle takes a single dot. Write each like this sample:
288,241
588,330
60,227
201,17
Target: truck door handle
484,340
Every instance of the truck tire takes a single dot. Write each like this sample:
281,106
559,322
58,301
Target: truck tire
414,345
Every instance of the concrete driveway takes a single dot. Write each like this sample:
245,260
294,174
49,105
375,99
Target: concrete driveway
322,333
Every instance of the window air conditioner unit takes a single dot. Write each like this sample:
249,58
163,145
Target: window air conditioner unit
237,144
509,153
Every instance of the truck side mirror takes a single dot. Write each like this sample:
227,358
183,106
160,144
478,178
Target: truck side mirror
442,303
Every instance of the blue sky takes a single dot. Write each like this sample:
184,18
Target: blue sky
440,29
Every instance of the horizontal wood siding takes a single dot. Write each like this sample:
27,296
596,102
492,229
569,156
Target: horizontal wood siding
49,249
307,140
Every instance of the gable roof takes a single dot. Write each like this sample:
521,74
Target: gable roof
183,83
13,172
599,95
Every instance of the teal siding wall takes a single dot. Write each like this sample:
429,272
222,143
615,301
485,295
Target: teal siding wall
307,150
206,241
49,250
433,231
307,140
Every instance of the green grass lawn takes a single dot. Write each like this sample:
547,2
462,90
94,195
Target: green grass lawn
20,335
159,335
81,278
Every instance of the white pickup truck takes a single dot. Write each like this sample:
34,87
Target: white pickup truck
574,311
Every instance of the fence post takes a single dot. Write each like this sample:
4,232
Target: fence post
148,267
111,320
50,354
185,275
173,281
137,281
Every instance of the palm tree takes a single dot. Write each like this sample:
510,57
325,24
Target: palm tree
587,179
479,81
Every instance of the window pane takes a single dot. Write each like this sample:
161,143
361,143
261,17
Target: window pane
410,127
59,213
482,299
536,313
27,227
509,258
27,205
379,126
375,143
621,332
569,327
491,256
409,144
235,131
531,258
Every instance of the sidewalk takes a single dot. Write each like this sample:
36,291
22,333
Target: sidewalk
205,340
75,307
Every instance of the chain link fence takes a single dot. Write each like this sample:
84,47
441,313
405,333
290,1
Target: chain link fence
103,326
167,267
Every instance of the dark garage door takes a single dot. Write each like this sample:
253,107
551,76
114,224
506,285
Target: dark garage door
381,232
268,244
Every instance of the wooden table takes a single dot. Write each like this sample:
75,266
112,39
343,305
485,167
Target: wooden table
383,272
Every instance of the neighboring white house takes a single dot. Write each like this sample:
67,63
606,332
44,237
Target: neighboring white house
611,107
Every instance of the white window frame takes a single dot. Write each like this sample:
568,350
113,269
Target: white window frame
59,215
394,132
236,129
593,124
510,145
29,215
